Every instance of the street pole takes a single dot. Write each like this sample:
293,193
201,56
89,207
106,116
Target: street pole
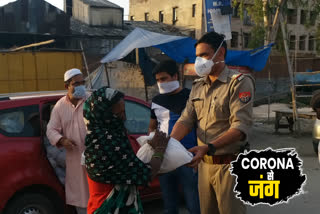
293,89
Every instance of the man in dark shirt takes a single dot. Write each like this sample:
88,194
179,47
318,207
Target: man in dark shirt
166,109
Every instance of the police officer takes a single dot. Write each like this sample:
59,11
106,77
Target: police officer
221,104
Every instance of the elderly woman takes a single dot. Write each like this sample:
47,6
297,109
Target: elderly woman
114,171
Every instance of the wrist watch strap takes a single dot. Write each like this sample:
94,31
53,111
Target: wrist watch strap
212,149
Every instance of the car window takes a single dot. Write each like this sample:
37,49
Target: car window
12,122
138,118
20,122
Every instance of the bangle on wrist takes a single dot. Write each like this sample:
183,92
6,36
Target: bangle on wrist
158,155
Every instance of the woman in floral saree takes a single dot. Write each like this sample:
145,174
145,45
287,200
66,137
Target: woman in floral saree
114,171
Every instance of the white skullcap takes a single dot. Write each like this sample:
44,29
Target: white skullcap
71,73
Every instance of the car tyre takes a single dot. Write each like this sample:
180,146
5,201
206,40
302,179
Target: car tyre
30,203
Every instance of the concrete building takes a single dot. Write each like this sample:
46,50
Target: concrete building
33,17
95,12
185,14
301,28
189,16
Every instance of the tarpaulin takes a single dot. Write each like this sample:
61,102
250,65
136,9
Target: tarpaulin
182,48
146,66
138,38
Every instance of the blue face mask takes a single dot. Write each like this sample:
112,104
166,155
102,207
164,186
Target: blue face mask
79,92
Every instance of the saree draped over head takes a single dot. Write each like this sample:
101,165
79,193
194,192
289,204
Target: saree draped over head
109,157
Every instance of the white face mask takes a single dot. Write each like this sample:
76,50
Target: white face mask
204,66
167,87
79,92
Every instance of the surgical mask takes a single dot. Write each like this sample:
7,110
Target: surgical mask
167,87
79,92
204,66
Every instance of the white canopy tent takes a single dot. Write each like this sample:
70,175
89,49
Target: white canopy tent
138,38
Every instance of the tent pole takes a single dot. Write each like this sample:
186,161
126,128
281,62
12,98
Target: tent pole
85,62
181,70
107,74
293,88
146,91
145,85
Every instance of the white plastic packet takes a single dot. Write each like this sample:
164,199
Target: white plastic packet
176,154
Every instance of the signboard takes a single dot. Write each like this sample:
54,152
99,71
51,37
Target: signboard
217,16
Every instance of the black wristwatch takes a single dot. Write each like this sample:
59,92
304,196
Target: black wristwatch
212,149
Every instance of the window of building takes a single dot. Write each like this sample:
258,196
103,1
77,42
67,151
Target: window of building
174,15
311,43
161,16
302,43
194,10
235,11
303,17
313,17
234,40
246,18
292,16
132,18
146,17
292,42
246,39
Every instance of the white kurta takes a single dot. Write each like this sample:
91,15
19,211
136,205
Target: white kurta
67,121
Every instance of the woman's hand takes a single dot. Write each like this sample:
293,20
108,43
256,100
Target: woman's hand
159,142
155,164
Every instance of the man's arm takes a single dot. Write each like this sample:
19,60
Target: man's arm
153,125
179,131
232,135
241,113
54,128
54,131
241,103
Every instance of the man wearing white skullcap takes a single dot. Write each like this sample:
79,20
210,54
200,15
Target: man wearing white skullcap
67,129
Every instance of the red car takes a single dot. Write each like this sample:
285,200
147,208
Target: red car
28,183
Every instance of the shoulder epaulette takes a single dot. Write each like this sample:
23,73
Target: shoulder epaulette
240,77
198,80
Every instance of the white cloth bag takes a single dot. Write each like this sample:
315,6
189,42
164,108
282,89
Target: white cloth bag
176,154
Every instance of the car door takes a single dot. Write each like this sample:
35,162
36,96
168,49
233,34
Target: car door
138,118
23,163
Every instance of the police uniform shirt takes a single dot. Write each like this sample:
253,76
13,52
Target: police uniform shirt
216,107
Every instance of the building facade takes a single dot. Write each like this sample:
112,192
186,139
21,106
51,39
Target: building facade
189,16
95,12
184,14
33,17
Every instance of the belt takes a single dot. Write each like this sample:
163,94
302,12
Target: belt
219,159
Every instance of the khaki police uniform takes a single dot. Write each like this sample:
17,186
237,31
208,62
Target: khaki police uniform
215,108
